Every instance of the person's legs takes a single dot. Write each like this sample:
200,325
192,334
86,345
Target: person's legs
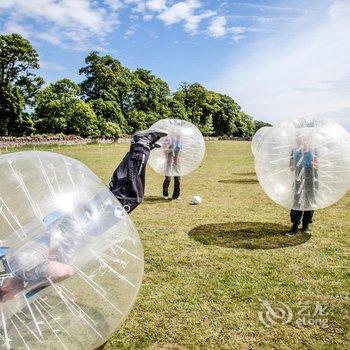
176,193
307,220
166,184
128,180
297,188
169,163
177,163
295,218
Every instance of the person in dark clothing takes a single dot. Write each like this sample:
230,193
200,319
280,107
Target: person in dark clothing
48,257
128,180
166,184
173,148
304,164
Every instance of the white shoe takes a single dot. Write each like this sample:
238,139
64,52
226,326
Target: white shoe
177,199
165,197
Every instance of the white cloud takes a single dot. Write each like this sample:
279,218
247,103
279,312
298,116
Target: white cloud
75,21
217,27
137,5
48,37
185,11
292,75
156,5
263,7
14,27
147,17
238,32
77,24
64,12
130,32
115,5
51,65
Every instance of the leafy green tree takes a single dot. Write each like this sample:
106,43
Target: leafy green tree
213,113
140,120
107,86
109,129
258,124
121,96
226,116
60,110
18,85
177,109
150,94
198,104
245,125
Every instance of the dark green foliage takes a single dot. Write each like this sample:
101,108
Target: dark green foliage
212,112
18,85
59,109
259,124
133,100
111,100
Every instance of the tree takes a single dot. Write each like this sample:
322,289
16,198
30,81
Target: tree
226,116
245,125
258,124
18,85
107,87
121,96
150,93
59,109
198,104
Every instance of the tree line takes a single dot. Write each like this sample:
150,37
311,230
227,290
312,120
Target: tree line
110,101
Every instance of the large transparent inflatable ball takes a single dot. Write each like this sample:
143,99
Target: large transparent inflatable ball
304,164
258,138
72,261
181,151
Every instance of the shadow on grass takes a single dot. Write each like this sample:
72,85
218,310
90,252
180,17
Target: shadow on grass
238,181
155,200
245,174
101,347
247,235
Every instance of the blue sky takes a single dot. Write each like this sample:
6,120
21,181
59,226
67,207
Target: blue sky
277,59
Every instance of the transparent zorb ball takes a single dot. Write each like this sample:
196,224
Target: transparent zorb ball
72,261
181,151
304,164
258,139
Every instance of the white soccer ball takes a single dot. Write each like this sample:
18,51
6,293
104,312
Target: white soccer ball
197,200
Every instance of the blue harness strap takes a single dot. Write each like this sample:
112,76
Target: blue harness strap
51,218
3,251
34,291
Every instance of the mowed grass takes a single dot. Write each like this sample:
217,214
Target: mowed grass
207,267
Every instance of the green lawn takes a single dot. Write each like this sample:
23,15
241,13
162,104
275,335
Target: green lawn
207,267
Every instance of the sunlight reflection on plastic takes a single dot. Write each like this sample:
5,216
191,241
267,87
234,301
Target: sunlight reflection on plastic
304,164
71,258
182,150
258,139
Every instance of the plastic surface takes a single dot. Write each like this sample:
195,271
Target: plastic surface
258,139
182,150
74,262
304,164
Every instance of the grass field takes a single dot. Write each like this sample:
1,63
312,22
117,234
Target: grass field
208,267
